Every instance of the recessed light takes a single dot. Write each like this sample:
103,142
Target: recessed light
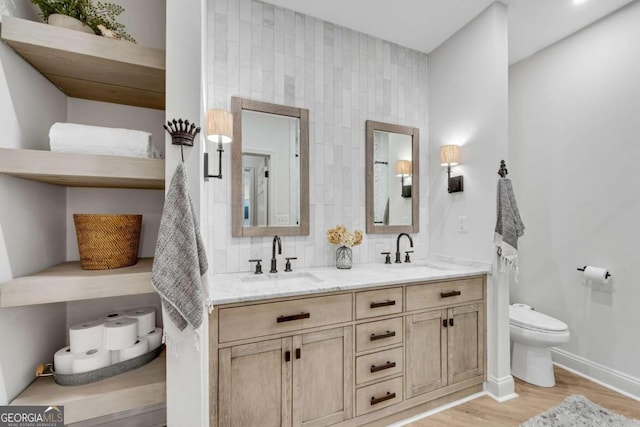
579,1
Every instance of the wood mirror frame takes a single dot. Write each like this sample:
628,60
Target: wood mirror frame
372,228
237,228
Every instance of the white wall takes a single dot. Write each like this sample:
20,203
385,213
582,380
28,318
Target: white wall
266,53
573,154
468,106
187,367
31,216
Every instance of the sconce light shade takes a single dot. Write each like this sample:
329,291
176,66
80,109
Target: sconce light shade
219,126
449,155
403,168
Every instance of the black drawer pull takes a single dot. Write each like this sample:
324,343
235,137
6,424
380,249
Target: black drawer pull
387,365
382,304
293,317
387,334
450,294
376,400
287,356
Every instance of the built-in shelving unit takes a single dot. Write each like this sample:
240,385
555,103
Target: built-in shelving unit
140,388
88,66
101,69
68,282
83,170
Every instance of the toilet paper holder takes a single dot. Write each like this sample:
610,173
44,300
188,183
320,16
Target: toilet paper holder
606,276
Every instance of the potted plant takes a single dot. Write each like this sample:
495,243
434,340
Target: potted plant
84,15
340,235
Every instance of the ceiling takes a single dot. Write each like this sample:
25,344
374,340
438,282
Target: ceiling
424,24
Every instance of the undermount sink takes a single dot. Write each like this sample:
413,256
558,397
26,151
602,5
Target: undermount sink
304,277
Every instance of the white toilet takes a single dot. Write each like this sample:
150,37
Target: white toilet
532,335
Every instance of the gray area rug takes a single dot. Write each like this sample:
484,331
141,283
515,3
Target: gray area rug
578,411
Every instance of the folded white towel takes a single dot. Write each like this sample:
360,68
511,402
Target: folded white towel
84,139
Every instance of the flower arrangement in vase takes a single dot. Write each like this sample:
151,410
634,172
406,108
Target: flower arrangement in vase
339,235
99,18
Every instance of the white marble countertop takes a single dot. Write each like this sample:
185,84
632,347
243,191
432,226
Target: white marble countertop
246,286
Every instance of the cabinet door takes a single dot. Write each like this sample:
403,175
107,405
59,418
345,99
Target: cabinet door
466,342
426,359
322,377
254,384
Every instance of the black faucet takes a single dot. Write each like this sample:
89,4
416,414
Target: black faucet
398,261
276,239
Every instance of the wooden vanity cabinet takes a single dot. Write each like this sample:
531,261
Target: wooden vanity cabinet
444,347
366,357
296,380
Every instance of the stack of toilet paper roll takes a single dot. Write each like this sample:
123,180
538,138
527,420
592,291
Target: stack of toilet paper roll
114,338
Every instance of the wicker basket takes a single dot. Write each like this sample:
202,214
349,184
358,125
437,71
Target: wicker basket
107,241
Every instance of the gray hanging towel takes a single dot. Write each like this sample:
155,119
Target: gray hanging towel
509,226
180,258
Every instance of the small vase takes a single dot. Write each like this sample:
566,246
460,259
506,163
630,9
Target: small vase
344,257
59,20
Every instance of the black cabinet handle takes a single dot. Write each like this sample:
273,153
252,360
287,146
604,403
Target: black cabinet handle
293,317
387,365
387,334
287,356
450,294
376,400
298,353
451,322
382,304
444,323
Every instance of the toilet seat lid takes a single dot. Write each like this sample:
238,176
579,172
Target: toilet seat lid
530,319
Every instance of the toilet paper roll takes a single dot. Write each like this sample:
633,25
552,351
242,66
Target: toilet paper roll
155,338
91,360
63,361
138,349
596,274
114,315
86,335
146,317
121,333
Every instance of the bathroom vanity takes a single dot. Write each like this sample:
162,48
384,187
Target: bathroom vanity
370,345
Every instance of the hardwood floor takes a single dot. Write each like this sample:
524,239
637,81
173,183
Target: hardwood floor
532,400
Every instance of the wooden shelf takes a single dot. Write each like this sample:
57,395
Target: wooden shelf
68,282
88,66
83,170
135,389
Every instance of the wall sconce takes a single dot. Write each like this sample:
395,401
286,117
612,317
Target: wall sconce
450,156
403,169
220,130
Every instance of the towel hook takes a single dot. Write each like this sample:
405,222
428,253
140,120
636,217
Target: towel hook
503,169
182,133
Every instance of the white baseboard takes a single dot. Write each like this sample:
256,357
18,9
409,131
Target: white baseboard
603,375
501,389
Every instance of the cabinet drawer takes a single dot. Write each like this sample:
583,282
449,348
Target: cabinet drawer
271,318
379,334
378,303
444,293
379,365
378,396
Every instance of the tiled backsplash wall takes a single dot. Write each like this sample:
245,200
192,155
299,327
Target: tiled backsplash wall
267,53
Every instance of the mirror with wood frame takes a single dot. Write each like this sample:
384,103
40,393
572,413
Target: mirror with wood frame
269,169
392,178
